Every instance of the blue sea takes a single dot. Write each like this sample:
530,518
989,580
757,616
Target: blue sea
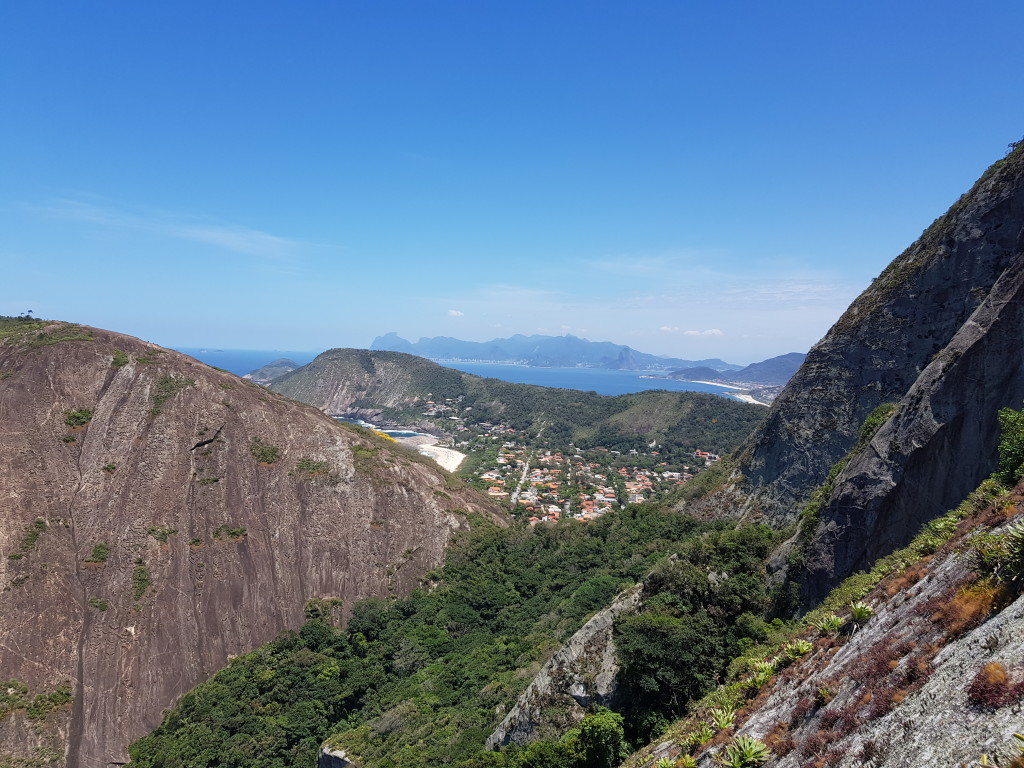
600,380
243,361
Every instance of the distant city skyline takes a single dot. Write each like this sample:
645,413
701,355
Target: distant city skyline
688,180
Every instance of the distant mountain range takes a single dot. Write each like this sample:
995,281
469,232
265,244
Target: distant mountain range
775,370
542,351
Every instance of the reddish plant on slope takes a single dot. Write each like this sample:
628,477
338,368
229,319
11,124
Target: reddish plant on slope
993,688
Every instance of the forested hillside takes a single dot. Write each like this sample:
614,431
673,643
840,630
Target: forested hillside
422,681
395,387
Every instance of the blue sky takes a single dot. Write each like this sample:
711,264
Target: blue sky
692,179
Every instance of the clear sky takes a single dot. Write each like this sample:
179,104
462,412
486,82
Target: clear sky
692,179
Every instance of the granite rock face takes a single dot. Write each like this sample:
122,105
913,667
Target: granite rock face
934,450
897,693
190,519
580,675
882,345
939,334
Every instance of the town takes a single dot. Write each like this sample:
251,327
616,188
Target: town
543,482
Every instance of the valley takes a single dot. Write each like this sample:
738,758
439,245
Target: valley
200,571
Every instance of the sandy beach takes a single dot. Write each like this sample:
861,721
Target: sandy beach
748,399
714,384
448,458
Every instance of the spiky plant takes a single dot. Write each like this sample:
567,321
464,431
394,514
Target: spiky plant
745,752
860,612
797,648
760,678
702,734
723,718
829,624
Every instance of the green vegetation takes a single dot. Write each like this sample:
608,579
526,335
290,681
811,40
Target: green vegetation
264,453
98,603
1010,467
166,388
109,468
28,541
119,359
415,681
312,467
321,608
1001,556
141,578
228,532
14,696
161,534
363,456
78,418
679,422
45,703
745,753
100,553
29,332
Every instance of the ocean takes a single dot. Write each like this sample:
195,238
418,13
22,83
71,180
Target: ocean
243,361
600,380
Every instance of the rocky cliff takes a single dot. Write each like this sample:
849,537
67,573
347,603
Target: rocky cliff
895,344
579,676
936,337
158,516
933,677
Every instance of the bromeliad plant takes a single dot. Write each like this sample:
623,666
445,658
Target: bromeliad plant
744,753
797,648
860,612
723,718
829,624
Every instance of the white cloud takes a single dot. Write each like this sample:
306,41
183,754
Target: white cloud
455,313
669,328
239,239
708,332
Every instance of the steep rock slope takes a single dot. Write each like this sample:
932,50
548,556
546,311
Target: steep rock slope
890,341
580,675
939,442
158,516
933,678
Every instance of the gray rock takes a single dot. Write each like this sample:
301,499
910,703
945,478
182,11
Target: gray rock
580,675
889,337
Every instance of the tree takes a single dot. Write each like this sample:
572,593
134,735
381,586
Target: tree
1011,446
602,740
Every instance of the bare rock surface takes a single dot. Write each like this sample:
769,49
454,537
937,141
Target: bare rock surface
581,674
953,291
896,694
169,540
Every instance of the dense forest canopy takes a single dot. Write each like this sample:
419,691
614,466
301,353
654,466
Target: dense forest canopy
419,681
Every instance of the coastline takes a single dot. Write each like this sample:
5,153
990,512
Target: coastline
447,458
747,399
714,384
